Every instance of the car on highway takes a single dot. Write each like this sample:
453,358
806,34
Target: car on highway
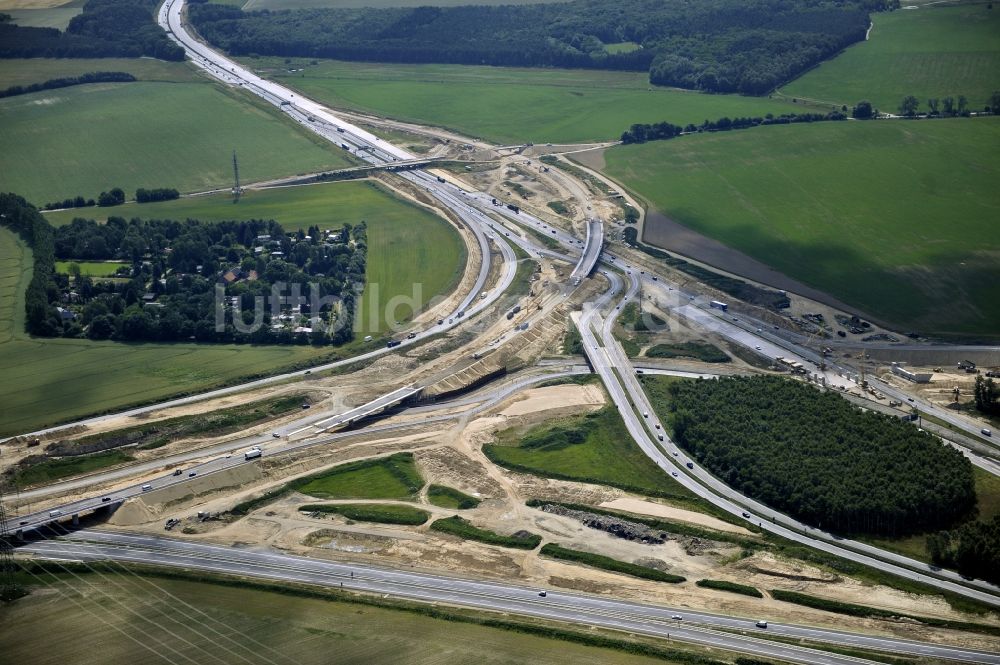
657,425
761,624
984,431
178,472
673,473
677,617
105,499
543,594
746,515
275,435
147,487
645,414
757,347
192,474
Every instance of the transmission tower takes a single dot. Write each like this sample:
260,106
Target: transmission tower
237,190
9,588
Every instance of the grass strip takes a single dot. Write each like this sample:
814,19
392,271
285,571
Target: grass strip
383,513
851,609
392,477
702,351
449,497
462,528
607,563
304,591
54,469
722,585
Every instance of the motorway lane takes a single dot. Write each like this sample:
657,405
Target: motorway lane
610,361
231,453
695,627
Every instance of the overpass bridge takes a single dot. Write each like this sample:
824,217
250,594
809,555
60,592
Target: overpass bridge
591,252
348,418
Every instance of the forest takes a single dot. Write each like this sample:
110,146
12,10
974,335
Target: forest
104,29
714,45
815,456
179,281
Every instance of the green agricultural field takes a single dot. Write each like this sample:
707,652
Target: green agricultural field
926,52
893,217
393,477
411,252
552,105
17,71
91,268
50,17
406,246
260,626
88,138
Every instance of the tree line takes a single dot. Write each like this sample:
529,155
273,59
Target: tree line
715,45
104,29
640,133
67,81
987,396
973,549
24,219
815,456
114,197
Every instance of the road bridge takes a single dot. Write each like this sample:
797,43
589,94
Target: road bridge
382,403
591,252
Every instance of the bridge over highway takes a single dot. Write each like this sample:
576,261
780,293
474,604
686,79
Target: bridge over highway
380,404
591,252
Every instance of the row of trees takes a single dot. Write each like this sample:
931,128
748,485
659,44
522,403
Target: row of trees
114,197
104,29
815,456
22,218
158,194
67,81
640,133
973,549
945,107
715,45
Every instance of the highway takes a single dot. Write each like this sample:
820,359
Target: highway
558,605
618,376
476,211
230,454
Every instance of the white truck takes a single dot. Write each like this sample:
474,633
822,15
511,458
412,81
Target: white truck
253,453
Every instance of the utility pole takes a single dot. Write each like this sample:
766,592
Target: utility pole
237,190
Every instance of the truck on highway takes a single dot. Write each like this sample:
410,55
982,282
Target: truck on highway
440,179
715,304
253,453
345,146
392,343
513,208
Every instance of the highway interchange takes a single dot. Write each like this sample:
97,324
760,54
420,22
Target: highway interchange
478,213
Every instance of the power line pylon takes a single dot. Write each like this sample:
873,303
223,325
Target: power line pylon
237,190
